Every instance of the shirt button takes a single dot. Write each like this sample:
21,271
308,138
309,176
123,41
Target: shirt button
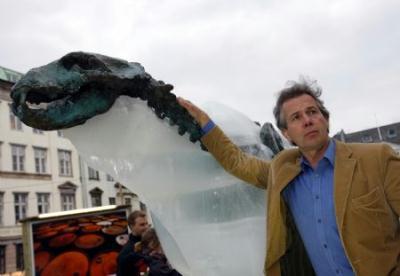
337,271
319,220
317,197
325,245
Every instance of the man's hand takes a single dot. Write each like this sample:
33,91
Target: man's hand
199,115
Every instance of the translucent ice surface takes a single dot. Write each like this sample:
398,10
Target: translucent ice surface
209,222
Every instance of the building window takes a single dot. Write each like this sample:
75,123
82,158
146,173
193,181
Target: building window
67,195
391,133
64,160
40,159
111,200
93,174
15,122
43,203
67,201
18,157
2,259
366,139
37,131
109,178
1,208
20,205
96,200
19,250
60,133
128,201
95,194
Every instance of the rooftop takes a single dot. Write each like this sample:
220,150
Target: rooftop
9,75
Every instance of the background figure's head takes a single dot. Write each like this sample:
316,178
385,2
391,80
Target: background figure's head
137,221
150,241
301,115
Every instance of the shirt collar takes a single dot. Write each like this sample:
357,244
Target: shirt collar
329,155
330,152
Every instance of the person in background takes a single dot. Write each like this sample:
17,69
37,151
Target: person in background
127,258
153,256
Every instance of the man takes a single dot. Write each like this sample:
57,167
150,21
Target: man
332,208
128,258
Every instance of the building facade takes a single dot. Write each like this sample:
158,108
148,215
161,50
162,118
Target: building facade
389,134
101,189
41,172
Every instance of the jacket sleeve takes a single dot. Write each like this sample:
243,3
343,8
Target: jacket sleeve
127,263
159,266
392,178
248,168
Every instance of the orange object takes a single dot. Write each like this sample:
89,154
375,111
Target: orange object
43,228
104,264
114,230
59,227
62,240
46,235
91,228
89,241
67,264
71,229
42,258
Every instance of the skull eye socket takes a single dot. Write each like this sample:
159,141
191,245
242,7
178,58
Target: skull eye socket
85,62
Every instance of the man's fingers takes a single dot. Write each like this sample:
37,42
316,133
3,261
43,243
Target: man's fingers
200,116
186,104
181,101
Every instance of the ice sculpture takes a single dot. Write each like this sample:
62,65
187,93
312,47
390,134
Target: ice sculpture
209,222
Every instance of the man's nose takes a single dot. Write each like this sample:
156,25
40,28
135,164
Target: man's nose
307,120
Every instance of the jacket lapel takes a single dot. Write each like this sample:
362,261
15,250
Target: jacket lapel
277,209
289,170
344,170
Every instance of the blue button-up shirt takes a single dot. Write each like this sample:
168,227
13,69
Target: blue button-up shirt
310,197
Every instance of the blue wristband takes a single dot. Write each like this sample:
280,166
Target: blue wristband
208,127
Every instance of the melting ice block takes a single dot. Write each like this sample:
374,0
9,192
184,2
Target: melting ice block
209,222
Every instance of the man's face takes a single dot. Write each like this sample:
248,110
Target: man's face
306,126
140,226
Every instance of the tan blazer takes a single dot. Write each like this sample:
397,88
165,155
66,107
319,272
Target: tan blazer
366,195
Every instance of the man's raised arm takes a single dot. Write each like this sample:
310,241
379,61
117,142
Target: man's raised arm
248,168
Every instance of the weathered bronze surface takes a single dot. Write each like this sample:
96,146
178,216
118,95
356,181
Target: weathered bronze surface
80,85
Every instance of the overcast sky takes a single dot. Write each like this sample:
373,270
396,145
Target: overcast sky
239,53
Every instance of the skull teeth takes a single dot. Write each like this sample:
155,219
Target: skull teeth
34,106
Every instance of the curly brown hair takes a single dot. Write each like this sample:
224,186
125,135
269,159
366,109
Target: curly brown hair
295,89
